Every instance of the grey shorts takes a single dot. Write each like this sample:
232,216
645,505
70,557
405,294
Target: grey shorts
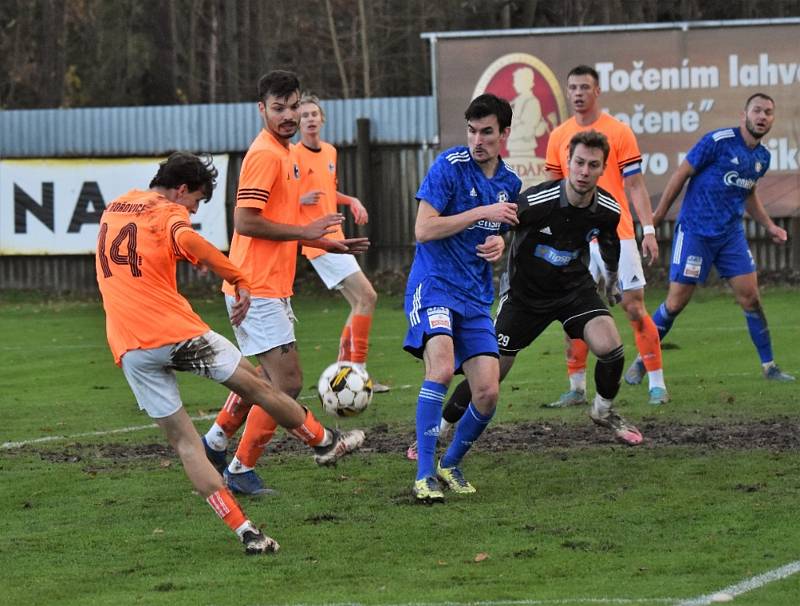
151,372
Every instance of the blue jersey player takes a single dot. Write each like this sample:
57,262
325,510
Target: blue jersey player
463,207
722,169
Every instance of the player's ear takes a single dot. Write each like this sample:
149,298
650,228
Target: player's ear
504,133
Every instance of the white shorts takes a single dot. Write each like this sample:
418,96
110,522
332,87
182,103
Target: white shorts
631,274
151,372
269,324
334,268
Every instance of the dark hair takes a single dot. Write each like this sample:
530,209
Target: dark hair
490,105
584,70
183,168
589,138
758,96
278,83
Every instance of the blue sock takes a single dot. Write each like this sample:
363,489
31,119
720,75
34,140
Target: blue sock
663,320
429,415
468,430
759,333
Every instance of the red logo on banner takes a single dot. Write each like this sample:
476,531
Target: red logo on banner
538,105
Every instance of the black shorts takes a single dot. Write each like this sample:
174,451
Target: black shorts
517,325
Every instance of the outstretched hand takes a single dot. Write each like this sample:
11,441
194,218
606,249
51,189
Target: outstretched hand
312,197
351,246
322,226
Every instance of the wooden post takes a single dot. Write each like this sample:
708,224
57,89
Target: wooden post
794,241
363,158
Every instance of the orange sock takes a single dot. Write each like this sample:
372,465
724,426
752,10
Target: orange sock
344,344
648,342
233,414
257,434
226,507
311,431
576,356
360,327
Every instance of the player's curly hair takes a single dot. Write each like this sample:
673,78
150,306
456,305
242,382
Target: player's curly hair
197,172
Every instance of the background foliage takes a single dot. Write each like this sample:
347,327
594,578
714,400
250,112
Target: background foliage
89,53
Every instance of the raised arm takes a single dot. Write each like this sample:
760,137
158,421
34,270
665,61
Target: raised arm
250,222
431,225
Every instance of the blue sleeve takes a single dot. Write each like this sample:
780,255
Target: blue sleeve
437,186
702,154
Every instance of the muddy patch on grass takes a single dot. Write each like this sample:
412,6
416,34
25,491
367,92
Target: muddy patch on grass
775,435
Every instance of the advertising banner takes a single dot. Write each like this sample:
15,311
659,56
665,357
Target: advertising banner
671,85
53,207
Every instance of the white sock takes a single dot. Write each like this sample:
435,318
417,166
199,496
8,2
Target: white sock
358,366
247,525
236,466
601,405
656,378
216,438
767,365
327,439
577,381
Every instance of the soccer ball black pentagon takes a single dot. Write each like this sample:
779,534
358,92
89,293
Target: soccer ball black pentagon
344,391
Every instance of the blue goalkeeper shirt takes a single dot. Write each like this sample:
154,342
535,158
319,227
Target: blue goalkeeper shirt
726,172
449,269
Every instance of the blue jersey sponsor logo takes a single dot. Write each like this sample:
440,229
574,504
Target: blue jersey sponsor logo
559,258
732,179
487,225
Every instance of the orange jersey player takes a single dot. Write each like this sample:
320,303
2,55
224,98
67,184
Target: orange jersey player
153,331
267,228
623,171
317,160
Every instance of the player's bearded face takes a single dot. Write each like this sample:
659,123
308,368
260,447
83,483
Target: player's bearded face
484,138
759,117
281,115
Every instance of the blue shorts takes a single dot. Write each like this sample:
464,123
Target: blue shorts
472,331
693,256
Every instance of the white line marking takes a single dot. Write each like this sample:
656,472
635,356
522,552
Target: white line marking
106,432
755,582
519,602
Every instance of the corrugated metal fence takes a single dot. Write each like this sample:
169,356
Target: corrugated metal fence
381,162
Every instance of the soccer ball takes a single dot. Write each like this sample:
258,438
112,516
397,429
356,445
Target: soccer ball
344,391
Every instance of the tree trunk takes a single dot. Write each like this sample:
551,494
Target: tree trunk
337,53
365,61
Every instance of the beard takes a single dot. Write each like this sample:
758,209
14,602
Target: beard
751,128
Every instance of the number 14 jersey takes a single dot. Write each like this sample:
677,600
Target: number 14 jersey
137,252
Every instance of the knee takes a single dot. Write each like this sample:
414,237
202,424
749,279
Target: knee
368,299
440,375
634,309
485,396
750,301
